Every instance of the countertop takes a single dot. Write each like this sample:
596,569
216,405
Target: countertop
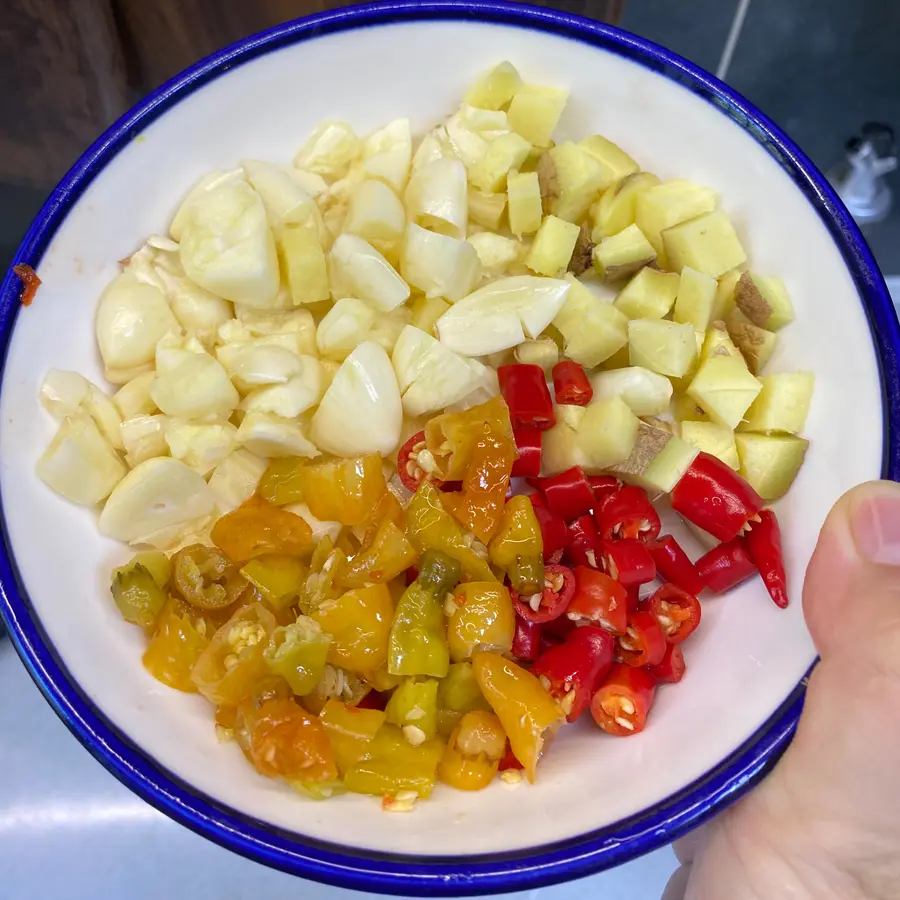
70,831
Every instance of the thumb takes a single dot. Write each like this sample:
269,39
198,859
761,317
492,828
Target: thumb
852,589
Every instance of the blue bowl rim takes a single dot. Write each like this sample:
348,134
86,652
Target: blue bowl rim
393,873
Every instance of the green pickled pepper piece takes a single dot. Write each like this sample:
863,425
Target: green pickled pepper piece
279,579
458,693
414,704
297,653
418,640
137,594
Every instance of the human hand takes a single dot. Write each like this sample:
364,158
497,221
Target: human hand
826,823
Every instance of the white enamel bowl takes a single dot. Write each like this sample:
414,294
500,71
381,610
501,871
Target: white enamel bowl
599,800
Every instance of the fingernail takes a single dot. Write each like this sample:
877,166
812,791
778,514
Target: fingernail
876,526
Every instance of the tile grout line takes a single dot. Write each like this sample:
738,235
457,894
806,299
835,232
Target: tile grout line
737,25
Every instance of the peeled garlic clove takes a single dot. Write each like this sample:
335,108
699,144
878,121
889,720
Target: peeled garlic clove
227,246
63,392
429,375
438,265
271,436
364,273
344,327
647,393
131,318
361,411
80,464
437,197
161,493
198,386
330,150
236,478
387,154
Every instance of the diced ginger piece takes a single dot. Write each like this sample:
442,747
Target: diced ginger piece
535,111
607,433
670,203
505,153
756,344
782,404
712,438
764,301
592,329
487,209
542,352
695,300
579,180
615,210
525,205
649,295
724,387
560,448
616,163
305,265
717,342
650,442
685,409
770,462
553,247
495,88
726,285
622,255
669,465
708,244
621,359
583,254
662,346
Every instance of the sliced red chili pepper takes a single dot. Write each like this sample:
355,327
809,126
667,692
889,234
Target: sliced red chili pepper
411,473
374,700
30,282
568,494
509,761
570,384
726,566
602,485
557,631
553,529
559,586
583,543
643,643
674,565
412,573
527,639
599,599
528,443
715,498
671,669
622,703
763,542
634,598
627,513
524,388
628,561
677,612
571,671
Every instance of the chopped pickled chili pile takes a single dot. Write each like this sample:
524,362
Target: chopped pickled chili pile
436,634
393,420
